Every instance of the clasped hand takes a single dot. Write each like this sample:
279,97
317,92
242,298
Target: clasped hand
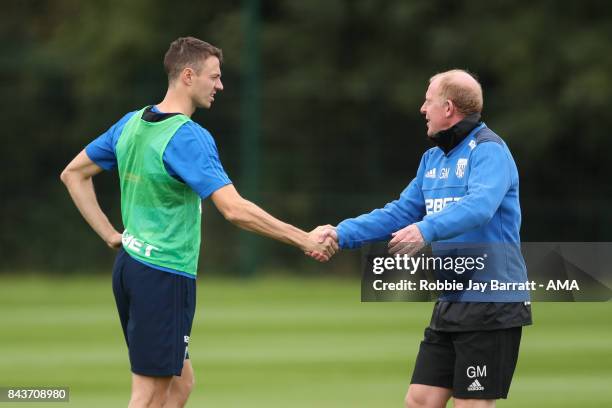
323,243
408,240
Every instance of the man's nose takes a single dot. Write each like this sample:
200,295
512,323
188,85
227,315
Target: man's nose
219,85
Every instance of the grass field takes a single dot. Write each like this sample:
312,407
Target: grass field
283,342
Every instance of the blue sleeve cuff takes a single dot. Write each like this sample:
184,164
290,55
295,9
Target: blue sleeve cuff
95,155
427,231
342,241
213,187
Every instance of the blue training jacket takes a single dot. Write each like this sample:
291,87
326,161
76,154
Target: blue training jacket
468,196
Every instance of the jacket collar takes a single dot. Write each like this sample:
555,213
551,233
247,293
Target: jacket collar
449,138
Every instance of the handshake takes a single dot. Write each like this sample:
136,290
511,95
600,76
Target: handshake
323,242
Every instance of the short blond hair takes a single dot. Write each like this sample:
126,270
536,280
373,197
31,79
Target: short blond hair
467,99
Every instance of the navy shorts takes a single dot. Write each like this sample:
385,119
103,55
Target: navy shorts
156,310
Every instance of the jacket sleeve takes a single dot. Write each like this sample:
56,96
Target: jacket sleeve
489,181
380,223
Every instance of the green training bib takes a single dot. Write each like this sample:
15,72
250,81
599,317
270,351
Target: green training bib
161,215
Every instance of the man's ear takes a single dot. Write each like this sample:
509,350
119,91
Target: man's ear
449,109
187,76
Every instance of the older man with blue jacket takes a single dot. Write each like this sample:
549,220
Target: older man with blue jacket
465,193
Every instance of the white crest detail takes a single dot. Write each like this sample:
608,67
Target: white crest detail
461,165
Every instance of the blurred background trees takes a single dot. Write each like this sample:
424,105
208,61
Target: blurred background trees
340,82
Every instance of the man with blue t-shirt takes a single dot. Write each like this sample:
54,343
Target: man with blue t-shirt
167,164
463,200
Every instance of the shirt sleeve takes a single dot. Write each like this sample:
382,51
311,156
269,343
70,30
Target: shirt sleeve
489,181
192,156
102,149
380,223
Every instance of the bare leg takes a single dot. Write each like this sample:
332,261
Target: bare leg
473,403
148,392
180,387
426,396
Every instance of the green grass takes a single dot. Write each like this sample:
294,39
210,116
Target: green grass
283,342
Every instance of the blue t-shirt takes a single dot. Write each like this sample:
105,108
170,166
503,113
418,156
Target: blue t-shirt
191,157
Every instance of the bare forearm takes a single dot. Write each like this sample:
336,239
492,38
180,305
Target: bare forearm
82,192
252,218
